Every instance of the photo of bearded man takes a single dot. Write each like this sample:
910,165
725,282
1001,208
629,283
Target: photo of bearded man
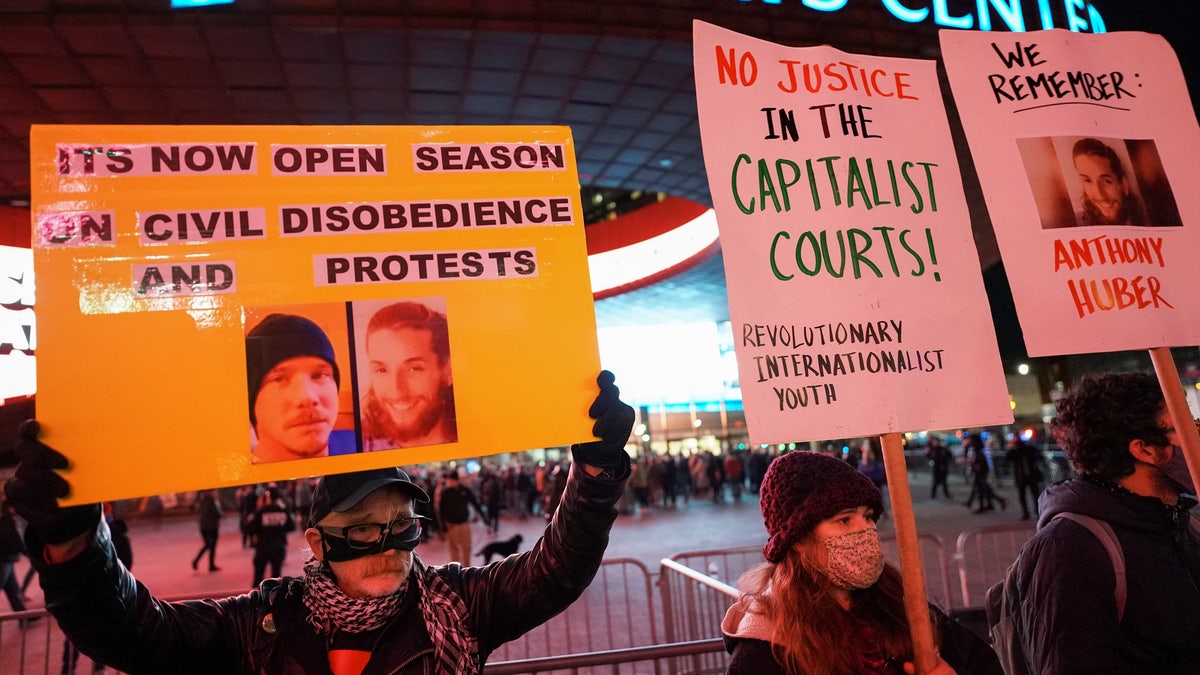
404,363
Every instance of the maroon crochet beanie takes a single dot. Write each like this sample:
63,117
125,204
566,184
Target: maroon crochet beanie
803,488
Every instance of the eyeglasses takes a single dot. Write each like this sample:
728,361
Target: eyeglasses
365,535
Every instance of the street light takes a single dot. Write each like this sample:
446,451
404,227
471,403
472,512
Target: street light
1023,369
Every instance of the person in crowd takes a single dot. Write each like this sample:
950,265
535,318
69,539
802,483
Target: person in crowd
454,504
491,497
756,468
30,575
1115,432
366,602
292,378
208,509
526,494
698,467
683,477
976,454
940,459
508,488
301,496
640,481
853,455
11,549
426,510
1027,465
556,484
734,475
269,526
716,477
541,480
1108,197
825,602
870,464
247,496
667,480
410,394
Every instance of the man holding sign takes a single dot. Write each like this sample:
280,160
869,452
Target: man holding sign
366,602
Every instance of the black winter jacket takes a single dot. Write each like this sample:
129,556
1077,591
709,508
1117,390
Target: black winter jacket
111,617
1066,584
747,640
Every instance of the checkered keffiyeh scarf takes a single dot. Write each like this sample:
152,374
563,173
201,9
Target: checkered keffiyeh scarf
445,614
455,651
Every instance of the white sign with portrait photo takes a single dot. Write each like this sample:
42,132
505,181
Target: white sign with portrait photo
1085,146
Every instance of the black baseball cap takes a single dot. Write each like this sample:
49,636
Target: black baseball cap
342,492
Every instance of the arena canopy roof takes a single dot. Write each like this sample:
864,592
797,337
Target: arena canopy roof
619,73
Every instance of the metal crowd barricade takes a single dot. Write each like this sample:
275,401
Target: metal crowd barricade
31,642
984,554
616,626
693,605
616,612
934,563
725,564
29,648
654,655
615,622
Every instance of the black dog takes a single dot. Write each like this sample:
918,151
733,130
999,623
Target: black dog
503,549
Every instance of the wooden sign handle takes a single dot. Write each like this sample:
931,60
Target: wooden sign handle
916,606
1177,407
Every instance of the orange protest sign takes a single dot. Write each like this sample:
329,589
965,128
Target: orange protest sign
225,305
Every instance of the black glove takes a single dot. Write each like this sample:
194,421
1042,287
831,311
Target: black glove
614,422
34,490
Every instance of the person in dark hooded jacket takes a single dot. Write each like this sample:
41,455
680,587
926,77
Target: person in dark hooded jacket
1115,431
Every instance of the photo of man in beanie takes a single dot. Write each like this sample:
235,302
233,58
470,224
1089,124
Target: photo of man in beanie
292,379
404,359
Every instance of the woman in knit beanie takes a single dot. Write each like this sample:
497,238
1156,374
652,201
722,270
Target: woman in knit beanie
825,602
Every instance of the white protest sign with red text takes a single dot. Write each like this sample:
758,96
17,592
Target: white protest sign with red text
854,285
1086,148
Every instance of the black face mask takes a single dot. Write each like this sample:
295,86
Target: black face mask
1177,471
341,544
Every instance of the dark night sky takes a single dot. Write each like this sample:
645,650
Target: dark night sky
1176,20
